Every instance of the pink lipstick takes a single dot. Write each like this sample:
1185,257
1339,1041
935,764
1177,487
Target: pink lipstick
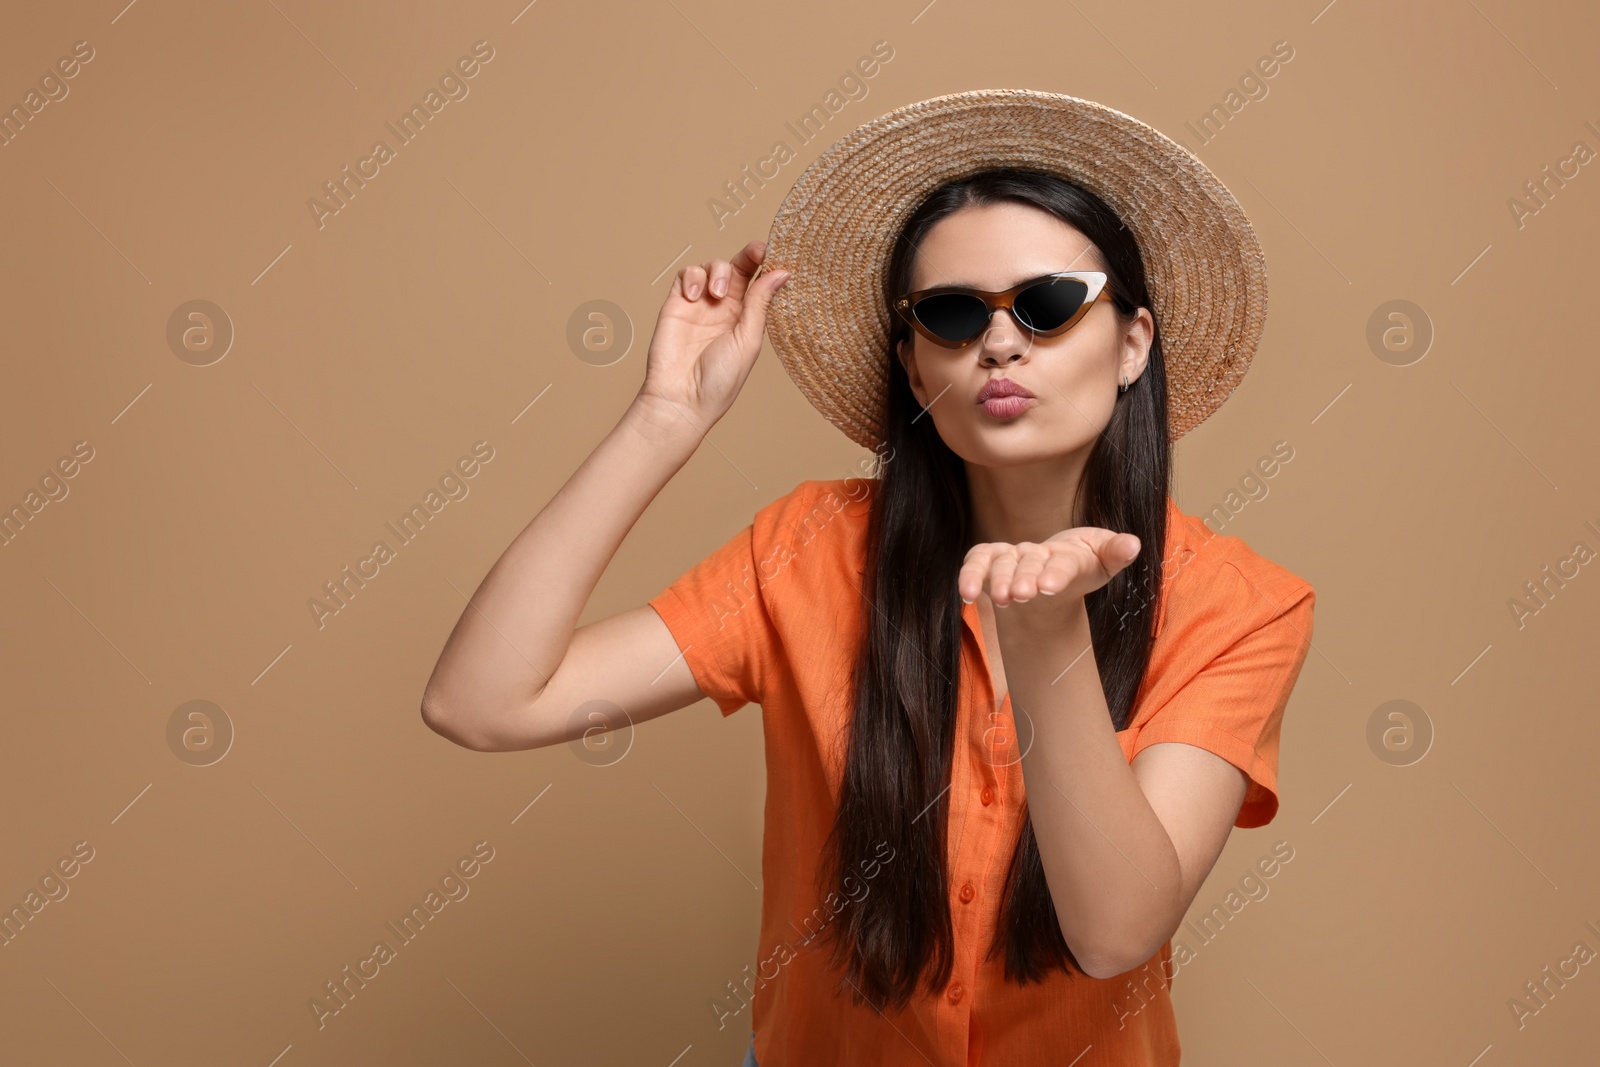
1004,398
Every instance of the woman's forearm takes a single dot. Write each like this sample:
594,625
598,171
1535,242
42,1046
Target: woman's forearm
516,630
1112,869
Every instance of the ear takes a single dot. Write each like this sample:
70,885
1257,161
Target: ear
906,352
1136,346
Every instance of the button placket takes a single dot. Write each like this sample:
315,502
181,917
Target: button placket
970,831
982,826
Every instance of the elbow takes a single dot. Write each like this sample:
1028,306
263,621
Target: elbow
1124,938
450,727
1101,967
482,732
1091,959
1108,963
1109,960
435,719
1096,956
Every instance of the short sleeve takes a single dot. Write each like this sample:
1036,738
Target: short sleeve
1233,704
718,616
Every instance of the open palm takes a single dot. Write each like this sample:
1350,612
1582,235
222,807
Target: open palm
1067,566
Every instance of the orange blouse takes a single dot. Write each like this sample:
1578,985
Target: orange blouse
771,617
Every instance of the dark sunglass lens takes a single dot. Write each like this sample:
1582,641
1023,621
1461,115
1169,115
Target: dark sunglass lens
1049,304
952,316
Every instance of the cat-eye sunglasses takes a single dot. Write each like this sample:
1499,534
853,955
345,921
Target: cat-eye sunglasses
953,316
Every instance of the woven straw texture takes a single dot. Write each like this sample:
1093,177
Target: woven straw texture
836,227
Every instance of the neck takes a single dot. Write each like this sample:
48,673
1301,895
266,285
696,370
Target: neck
1025,502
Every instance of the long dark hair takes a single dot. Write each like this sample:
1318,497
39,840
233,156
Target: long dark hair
902,730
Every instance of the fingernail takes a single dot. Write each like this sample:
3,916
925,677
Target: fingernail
720,286
694,290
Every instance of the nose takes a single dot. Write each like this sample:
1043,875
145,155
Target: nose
1003,341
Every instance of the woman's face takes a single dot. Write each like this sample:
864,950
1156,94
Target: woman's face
1073,376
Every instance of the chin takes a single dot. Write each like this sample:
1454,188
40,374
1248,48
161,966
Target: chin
1002,446
1013,444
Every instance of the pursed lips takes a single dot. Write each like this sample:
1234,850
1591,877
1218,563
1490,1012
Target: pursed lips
1004,399
996,388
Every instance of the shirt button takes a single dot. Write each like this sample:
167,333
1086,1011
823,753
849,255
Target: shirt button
987,796
967,893
955,992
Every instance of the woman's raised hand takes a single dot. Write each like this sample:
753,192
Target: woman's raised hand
1074,562
708,335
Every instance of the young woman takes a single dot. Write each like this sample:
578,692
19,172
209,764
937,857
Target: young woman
1013,698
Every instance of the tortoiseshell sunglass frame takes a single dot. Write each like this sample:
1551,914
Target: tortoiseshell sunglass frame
1095,281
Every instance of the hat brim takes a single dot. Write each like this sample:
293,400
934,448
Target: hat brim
834,231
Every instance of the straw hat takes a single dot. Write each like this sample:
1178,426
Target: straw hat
836,227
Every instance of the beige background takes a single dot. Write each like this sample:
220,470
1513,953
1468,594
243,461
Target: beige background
371,353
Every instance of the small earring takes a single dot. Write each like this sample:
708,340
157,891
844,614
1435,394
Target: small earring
1123,388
